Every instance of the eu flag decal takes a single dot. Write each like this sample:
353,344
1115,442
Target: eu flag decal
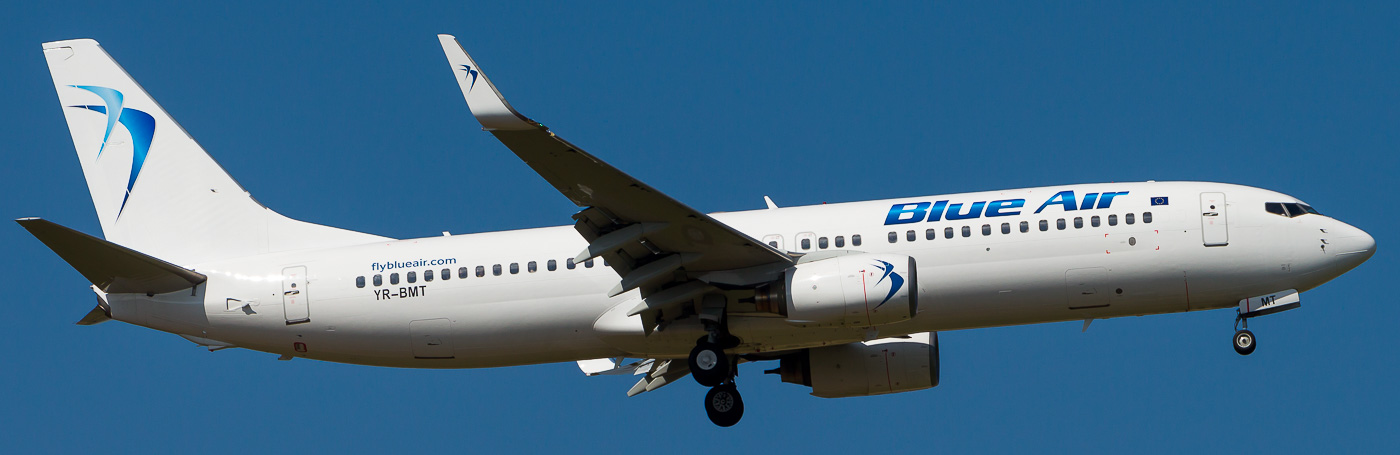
1159,200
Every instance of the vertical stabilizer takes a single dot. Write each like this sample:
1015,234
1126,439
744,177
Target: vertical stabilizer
155,189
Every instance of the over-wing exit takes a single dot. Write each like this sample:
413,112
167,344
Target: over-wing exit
846,299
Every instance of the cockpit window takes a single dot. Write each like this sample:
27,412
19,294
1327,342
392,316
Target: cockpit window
1289,209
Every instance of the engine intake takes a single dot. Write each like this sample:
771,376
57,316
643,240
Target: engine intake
857,290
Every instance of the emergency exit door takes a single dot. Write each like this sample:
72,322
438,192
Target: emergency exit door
294,297
1214,220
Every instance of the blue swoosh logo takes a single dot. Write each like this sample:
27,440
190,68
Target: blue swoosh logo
140,124
470,73
896,281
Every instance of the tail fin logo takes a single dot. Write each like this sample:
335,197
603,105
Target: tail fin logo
139,124
896,281
470,77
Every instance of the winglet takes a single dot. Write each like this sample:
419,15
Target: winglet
770,203
486,103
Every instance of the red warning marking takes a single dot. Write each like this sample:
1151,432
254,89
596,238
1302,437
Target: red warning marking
299,346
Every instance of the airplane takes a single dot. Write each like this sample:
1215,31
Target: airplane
847,298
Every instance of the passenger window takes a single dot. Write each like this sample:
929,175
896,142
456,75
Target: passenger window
393,278
840,241
948,232
855,240
1005,228
1146,217
412,277
1044,225
480,271
514,268
1113,220
446,274
986,229
821,243
588,264
569,264
930,234
893,237
379,280
552,265
531,267
1060,224
1128,219
773,244
1094,221
806,244
427,275
967,231
1025,226
909,235
462,273
496,270
360,281
1079,222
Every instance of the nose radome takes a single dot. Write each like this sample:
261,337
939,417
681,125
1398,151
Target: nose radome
1355,244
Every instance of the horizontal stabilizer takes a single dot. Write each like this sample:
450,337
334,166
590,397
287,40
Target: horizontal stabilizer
112,268
99,314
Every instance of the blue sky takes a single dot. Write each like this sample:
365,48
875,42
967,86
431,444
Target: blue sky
347,115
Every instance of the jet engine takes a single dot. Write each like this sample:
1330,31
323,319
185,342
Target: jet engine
856,290
887,365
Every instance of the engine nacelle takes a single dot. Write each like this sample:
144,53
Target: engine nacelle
887,365
857,290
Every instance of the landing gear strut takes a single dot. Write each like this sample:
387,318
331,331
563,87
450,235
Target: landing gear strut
1244,339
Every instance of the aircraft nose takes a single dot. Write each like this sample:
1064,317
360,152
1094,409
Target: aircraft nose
1354,245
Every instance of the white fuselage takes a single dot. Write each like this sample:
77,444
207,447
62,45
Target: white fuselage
534,314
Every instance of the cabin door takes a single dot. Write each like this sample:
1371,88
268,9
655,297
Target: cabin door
294,297
1214,220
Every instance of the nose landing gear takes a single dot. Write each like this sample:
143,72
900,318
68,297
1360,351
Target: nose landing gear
1244,342
1244,339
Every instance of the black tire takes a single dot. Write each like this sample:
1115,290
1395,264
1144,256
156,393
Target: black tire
724,405
1245,342
708,364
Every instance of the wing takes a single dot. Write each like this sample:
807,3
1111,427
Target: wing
654,243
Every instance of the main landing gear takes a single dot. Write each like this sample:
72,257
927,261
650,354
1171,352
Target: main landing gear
712,368
1244,339
723,405
708,363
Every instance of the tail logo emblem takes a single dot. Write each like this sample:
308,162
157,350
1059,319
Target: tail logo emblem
471,73
139,124
896,281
